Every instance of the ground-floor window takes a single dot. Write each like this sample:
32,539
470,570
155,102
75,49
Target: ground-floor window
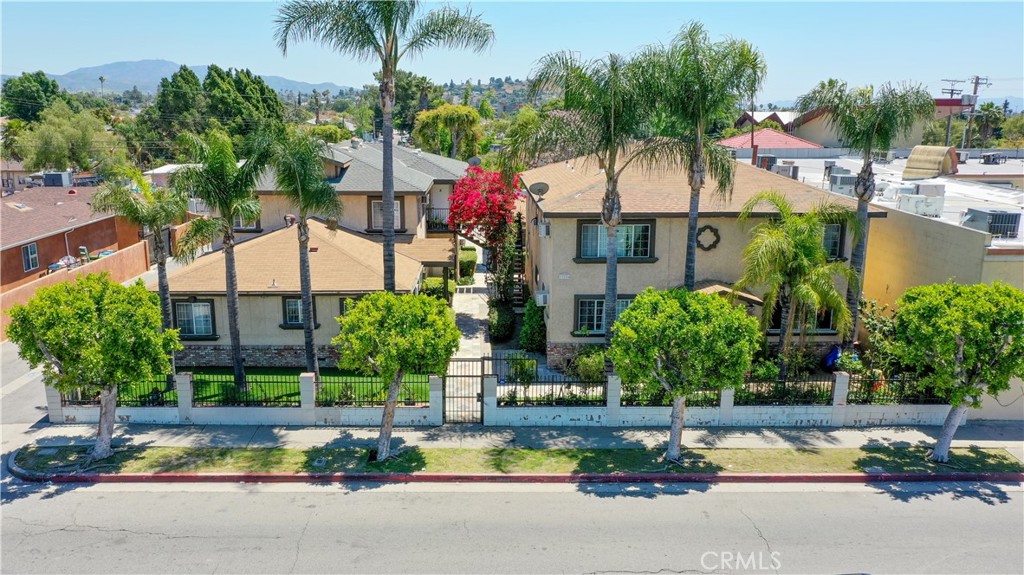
194,318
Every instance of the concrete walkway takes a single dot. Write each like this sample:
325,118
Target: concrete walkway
470,304
1008,435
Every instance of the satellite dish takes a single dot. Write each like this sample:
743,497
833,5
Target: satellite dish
539,188
475,161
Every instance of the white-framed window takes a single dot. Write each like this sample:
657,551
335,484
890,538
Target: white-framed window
590,313
633,241
30,257
833,241
377,214
293,311
239,224
194,319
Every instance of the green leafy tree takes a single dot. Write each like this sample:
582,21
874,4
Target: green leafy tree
1013,126
216,178
299,170
786,257
11,146
459,125
868,120
699,82
329,133
179,106
390,336
486,109
386,32
63,139
90,336
683,342
25,97
534,335
605,119
967,340
769,125
129,195
467,94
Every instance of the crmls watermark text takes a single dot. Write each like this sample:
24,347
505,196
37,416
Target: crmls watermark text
735,561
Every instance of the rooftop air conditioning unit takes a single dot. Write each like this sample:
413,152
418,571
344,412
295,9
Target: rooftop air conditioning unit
732,153
544,229
842,183
541,298
790,171
931,190
921,205
767,161
962,157
999,223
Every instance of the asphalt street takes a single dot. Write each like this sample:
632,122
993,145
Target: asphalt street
512,529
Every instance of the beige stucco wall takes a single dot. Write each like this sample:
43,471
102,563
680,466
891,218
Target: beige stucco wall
259,318
1008,406
354,213
565,279
819,132
439,195
1004,268
906,250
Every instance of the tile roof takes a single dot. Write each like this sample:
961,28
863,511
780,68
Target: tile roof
344,262
12,166
767,138
577,192
39,212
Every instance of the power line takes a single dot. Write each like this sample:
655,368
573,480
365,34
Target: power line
951,91
977,81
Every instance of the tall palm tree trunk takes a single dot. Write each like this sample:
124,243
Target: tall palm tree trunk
164,287
312,365
864,187
611,213
696,183
785,323
387,104
231,278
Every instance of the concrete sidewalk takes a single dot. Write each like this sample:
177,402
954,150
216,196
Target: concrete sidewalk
1008,435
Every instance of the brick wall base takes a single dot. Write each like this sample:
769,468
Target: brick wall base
254,355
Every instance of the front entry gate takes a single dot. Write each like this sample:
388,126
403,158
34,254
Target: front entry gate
464,390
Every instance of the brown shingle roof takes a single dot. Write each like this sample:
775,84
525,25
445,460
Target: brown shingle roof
343,263
428,251
576,188
46,211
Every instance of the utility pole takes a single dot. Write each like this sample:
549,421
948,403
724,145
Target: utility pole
952,92
977,81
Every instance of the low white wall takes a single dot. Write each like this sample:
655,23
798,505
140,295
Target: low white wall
1008,406
782,415
548,416
861,415
371,416
661,416
88,414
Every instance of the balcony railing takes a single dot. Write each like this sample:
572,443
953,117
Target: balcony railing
437,220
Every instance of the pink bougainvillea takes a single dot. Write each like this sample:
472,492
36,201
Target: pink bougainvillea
483,201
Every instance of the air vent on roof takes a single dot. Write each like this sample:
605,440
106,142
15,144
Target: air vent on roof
72,192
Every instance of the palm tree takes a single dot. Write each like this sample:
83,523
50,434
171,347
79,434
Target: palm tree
990,117
700,82
867,120
787,257
298,166
103,80
217,179
128,195
386,31
605,118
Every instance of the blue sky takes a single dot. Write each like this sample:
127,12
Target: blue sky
803,42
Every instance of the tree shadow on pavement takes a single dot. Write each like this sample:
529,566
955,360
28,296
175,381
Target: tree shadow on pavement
641,460
797,437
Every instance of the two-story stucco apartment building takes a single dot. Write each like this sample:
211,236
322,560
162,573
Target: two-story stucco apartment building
565,242
346,261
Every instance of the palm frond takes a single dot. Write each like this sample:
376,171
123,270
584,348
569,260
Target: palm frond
772,198
345,26
201,232
448,27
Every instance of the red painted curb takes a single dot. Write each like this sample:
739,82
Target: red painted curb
507,477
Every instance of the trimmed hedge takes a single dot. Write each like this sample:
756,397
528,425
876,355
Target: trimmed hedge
435,287
501,322
467,262
533,336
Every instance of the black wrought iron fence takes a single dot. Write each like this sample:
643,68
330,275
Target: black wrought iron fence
219,390
551,391
370,391
437,220
804,391
892,390
151,393
655,396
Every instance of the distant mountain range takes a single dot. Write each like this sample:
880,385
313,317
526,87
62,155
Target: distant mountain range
146,74
1016,104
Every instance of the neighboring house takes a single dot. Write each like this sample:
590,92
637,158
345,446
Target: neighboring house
781,118
343,265
13,175
43,225
767,138
565,242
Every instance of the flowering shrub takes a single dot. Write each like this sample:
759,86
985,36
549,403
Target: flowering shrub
483,201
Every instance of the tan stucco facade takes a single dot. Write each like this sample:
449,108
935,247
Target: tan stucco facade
818,130
354,213
906,250
552,269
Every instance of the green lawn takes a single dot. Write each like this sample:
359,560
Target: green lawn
437,460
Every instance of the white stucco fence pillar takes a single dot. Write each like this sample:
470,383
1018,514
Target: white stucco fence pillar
613,398
725,405
183,385
840,394
436,416
489,402
54,407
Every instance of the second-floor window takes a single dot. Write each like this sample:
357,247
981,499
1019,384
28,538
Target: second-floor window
377,215
634,240
244,225
834,241
30,257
